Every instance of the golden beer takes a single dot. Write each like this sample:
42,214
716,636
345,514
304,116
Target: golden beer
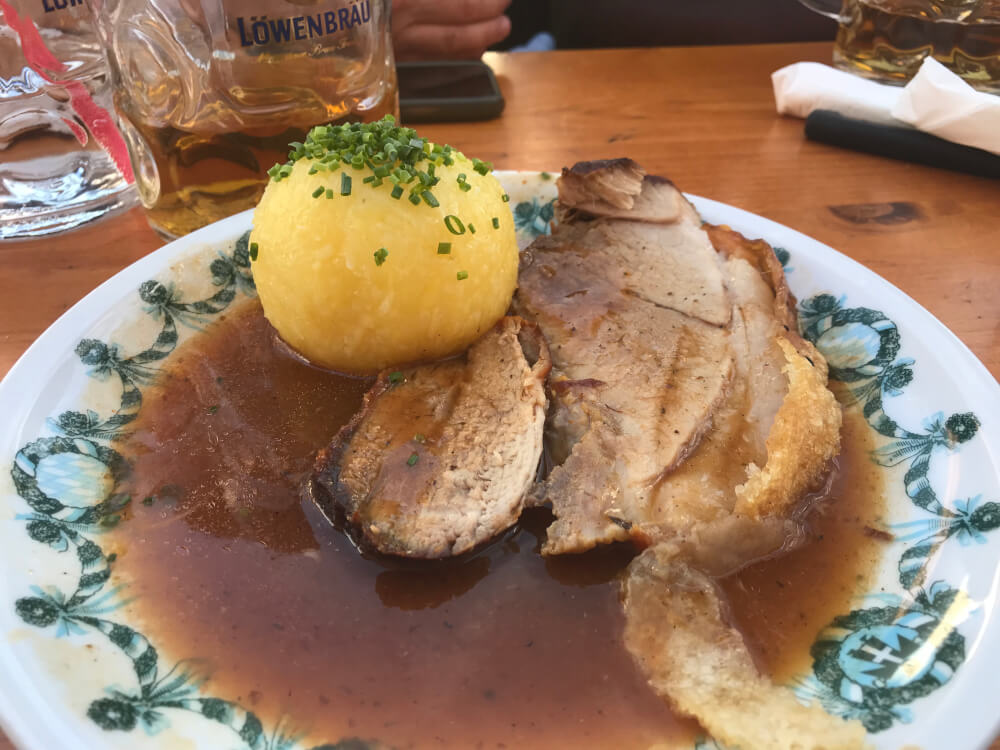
889,39
209,96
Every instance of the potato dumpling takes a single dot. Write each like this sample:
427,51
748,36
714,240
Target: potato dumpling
365,281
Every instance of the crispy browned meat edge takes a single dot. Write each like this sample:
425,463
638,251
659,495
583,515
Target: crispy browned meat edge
760,255
325,480
583,168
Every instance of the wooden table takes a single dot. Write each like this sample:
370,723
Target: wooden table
704,117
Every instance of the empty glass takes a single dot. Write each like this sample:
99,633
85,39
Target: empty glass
58,143
210,92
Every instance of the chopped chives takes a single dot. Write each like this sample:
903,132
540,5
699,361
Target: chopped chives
472,228
380,255
419,438
444,248
462,275
454,224
329,193
412,460
496,223
397,192
254,249
318,192
395,378
505,198
378,151
415,199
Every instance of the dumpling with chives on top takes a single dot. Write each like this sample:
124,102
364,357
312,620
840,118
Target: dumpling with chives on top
372,248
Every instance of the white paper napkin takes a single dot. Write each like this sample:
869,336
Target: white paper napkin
935,101
803,87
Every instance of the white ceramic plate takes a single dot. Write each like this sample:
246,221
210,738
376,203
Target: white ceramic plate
917,663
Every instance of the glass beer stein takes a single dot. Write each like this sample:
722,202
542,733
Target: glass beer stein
889,39
62,161
209,93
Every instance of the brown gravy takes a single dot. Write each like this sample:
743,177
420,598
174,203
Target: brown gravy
231,564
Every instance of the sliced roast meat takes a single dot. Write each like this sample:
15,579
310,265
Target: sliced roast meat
619,188
625,361
687,416
673,361
441,456
677,631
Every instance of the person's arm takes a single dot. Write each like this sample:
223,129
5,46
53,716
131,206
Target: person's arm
447,29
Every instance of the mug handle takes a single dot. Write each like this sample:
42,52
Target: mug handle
825,8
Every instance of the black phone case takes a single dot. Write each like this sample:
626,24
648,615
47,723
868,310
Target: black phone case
451,109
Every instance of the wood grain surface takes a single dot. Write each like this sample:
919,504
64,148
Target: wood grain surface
704,117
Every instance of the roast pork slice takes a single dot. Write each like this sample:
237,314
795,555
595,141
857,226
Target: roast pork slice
619,189
636,327
719,508
441,456
619,443
677,379
677,630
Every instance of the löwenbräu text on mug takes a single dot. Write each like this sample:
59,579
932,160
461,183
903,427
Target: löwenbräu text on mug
261,30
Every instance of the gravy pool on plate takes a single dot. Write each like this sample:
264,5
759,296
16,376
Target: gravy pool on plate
232,565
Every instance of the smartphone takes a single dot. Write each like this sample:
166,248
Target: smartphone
448,91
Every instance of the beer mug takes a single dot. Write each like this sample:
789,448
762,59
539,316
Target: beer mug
209,93
888,39
60,152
